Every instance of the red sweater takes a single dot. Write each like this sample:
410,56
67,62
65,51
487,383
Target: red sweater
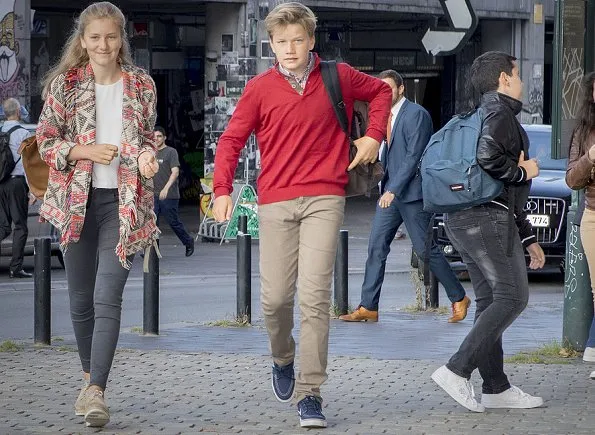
303,150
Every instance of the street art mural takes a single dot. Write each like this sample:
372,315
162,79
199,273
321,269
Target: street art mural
13,65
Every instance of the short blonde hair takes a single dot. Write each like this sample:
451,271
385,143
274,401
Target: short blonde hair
291,13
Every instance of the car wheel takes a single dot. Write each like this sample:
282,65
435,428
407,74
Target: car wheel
60,258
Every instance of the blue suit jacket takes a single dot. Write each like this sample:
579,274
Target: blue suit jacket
410,136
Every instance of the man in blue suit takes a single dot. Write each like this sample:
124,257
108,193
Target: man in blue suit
408,132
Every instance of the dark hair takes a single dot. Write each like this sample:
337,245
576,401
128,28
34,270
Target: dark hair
585,122
486,70
393,75
160,130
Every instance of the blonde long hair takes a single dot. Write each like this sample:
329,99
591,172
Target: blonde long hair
73,53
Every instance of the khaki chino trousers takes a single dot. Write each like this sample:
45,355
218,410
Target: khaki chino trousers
298,244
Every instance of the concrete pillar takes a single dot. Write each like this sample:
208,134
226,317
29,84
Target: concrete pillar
532,61
15,44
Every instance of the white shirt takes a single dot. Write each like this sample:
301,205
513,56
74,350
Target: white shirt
395,111
108,115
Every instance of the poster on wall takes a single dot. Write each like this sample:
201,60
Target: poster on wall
235,88
229,58
247,66
265,50
226,42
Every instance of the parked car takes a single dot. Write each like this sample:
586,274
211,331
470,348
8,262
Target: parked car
36,229
547,205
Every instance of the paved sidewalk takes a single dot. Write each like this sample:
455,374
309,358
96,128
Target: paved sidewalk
161,392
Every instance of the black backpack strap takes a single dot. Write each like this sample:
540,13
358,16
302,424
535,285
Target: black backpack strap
12,130
16,127
330,78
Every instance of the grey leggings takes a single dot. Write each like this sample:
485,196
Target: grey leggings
96,281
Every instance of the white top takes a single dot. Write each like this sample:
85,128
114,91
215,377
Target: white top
108,115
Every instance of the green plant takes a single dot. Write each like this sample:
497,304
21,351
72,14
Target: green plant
136,330
334,310
550,353
10,346
234,322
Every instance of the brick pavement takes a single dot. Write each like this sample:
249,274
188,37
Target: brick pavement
161,392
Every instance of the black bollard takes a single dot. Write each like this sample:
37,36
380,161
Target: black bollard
243,224
433,290
341,280
151,295
244,278
42,291
433,287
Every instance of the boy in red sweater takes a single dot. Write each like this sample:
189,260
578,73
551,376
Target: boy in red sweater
301,189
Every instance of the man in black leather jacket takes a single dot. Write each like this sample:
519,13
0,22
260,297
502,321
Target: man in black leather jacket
492,245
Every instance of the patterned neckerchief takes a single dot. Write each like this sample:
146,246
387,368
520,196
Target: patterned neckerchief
297,83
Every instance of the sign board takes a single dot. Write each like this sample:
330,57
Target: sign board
462,22
246,204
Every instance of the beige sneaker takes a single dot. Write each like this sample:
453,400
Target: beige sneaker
96,412
79,405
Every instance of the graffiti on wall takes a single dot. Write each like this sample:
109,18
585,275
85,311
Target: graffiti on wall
13,80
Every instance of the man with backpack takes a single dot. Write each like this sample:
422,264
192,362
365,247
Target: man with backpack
14,192
490,238
301,193
408,130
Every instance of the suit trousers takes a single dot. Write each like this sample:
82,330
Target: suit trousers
384,227
298,245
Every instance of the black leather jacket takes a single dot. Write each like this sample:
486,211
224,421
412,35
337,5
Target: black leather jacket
501,142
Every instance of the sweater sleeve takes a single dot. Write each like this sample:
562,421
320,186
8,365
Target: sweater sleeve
53,146
579,170
243,122
377,93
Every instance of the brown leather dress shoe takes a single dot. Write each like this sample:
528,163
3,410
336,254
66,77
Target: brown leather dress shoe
459,310
360,315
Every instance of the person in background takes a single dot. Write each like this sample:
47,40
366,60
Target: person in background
167,193
580,174
408,131
14,192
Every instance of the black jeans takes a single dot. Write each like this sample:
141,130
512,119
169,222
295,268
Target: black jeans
96,282
169,208
501,289
14,209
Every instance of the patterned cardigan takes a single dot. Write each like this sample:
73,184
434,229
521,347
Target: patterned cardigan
68,119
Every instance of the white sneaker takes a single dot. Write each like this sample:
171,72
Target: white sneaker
589,355
592,376
514,397
458,388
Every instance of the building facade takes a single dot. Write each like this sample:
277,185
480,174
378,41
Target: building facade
201,54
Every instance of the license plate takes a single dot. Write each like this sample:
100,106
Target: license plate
539,220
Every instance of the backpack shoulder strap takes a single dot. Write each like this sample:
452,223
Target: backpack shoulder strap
16,127
330,77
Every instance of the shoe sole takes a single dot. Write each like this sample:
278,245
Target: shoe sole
442,384
96,418
510,406
279,398
312,422
588,359
79,413
359,321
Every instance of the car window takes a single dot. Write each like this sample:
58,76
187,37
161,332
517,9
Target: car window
541,148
